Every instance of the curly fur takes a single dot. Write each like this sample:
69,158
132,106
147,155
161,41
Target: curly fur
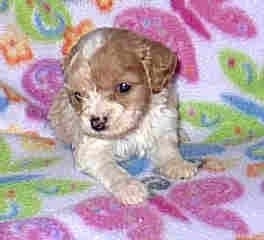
62,118
143,121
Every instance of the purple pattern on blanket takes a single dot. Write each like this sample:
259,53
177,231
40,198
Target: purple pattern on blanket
42,81
140,222
166,28
34,229
228,18
201,198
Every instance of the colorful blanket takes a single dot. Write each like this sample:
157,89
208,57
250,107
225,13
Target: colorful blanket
220,82
42,196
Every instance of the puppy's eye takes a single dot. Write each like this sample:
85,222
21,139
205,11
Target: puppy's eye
123,87
77,96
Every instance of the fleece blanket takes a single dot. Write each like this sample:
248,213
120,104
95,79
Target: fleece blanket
42,197
220,82
219,44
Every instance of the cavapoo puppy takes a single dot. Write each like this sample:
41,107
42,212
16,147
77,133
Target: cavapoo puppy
117,102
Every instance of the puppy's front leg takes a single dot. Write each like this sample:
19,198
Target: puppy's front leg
95,157
169,160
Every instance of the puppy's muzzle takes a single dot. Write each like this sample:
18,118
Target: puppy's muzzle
98,123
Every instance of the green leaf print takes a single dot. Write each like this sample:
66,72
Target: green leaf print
243,72
226,125
5,155
9,164
42,19
31,164
24,199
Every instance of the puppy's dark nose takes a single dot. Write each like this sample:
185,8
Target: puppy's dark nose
98,123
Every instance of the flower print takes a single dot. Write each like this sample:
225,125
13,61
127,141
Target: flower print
8,95
216,165
17,130
104,5
42,20
42,81
202,199
15,47
255,169
11,94
73,34
254,237
33,144
36,228
170,29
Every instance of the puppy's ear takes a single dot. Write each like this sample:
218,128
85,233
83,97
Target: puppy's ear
160,63
63,118
70,57
87,45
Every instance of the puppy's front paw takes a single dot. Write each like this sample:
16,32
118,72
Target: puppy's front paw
179,169
130,192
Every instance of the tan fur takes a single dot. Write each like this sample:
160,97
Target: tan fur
62,118
141,121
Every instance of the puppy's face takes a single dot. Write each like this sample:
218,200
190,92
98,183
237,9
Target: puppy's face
110,90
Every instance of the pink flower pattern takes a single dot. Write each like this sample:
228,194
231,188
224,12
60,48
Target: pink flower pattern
200,198
34,229
167,28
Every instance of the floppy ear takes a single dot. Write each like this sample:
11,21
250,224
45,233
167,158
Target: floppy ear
69,58
87,45
62,117
160,63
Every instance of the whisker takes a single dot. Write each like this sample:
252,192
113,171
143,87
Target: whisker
83,98
68,87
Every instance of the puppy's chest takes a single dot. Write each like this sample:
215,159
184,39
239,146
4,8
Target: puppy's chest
146,139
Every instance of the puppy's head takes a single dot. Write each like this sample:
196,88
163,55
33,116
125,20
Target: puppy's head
111,76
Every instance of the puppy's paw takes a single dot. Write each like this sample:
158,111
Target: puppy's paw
130,192
179,169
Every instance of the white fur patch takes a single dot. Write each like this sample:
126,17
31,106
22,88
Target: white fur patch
98,105
159,121
93,42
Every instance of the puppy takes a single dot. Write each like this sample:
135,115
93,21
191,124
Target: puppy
117,102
